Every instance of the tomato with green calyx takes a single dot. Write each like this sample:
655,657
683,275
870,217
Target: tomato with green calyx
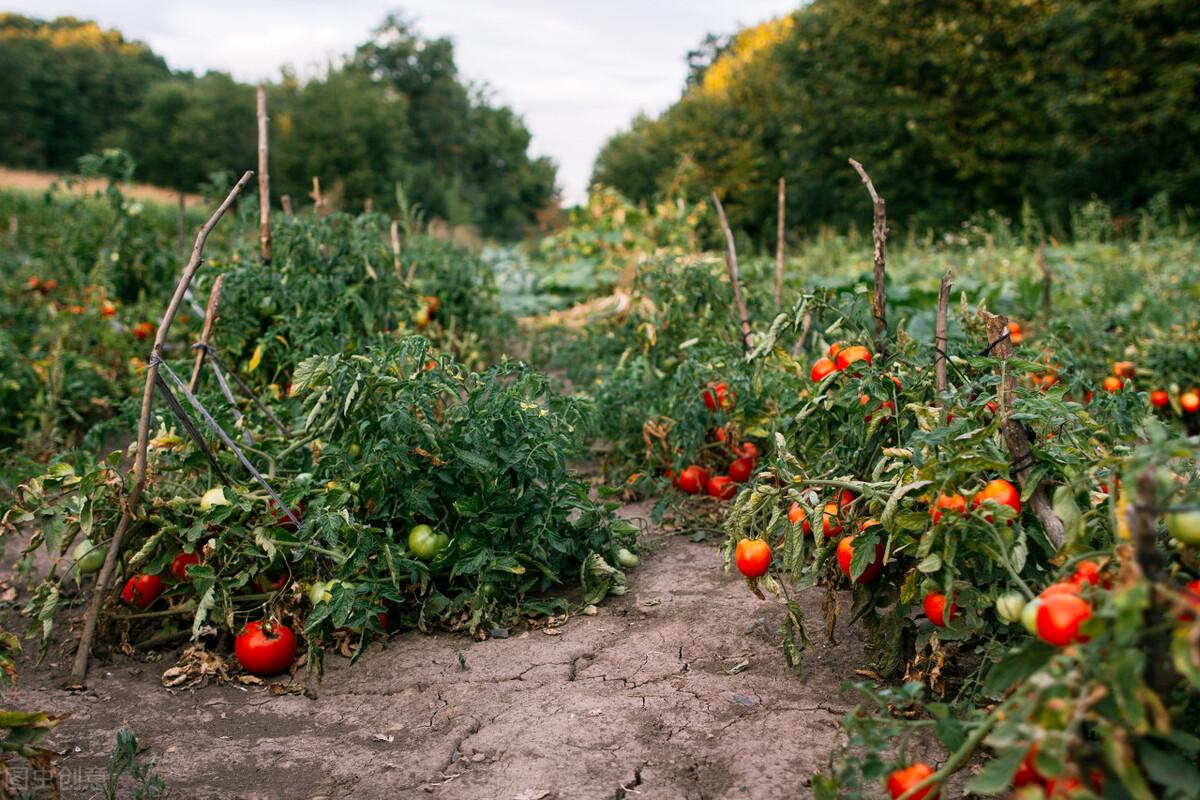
740,469
88,557
1184,527
265,648
426,543
999,491
903,780
753,557
936,610
142,590
947,502
1029,615
1059,619
627,558
1009,606
181,563
691,480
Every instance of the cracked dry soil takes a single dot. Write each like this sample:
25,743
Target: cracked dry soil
636,702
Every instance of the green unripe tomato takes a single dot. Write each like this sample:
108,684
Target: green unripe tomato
626,558
425,543
1029,615
88,557
1184,527
1009,606
317,592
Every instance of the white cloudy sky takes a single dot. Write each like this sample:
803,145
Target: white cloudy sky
577,70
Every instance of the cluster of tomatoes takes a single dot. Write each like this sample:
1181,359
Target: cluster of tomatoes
425,314
839,359
695,479
45,287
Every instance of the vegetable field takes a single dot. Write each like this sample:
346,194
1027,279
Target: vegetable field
335,500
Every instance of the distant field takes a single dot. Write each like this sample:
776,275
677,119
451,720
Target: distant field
33,181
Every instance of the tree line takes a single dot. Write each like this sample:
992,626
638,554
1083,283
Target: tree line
396,110
954,106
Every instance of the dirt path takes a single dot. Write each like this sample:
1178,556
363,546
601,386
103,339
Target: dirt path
33,181
634,702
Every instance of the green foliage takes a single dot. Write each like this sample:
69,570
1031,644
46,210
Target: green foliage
128,760
960,105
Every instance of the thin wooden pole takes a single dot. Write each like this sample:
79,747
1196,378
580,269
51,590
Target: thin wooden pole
879,232
396,247
210,320
264,178
79,668
732,265
285,202
779,249
939,336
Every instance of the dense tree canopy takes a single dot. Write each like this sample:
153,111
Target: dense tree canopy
394,111
953,106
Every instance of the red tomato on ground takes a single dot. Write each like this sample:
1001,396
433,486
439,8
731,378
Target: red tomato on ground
845,554
181,563
947,502
1059,618
265,651
902,780
850,355
935,609
753,557
1002,492
692,480
741,468
142,590
1159,399
721,487
822,368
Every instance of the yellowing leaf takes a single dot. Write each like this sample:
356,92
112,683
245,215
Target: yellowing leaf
255,359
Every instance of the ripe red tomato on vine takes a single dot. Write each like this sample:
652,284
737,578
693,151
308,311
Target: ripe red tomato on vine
753,557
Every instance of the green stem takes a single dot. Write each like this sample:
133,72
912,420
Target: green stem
1007,563
336,556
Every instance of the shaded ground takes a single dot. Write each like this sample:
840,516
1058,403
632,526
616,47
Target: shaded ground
634,702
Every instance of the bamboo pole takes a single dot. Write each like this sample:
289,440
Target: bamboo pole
264,178
79,667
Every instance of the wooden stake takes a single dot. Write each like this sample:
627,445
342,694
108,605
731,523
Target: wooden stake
79,668
315,194
368,205
879,232
181,223
396,247
285,202
210,320
264,179
1047,278
1143,531
1019,449
732,266
779,251
939,336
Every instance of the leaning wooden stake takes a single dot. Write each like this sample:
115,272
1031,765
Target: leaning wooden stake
264,179
939,336
1142,517
396,247
1047,278
79,668
210,320
779,250
879,232
1019,448
732,265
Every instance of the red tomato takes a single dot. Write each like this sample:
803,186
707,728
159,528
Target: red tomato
1062,587
822,368
265,650
143,330
741,468
1113,384
691,480
721,487
716,396
1027,773
849,355
835,348
281,517
1190,401
268,583
947,502
845,554
1087,572
1191,593
749,450
1059,618
902,780
830,523
142,590
797,514
181,563
753,556
845,498
935,609
1123,369
1061,787
1159,399
107,309
1002,492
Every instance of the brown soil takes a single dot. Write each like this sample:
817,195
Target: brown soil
637,701
32,181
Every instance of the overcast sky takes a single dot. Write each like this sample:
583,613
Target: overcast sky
576,70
